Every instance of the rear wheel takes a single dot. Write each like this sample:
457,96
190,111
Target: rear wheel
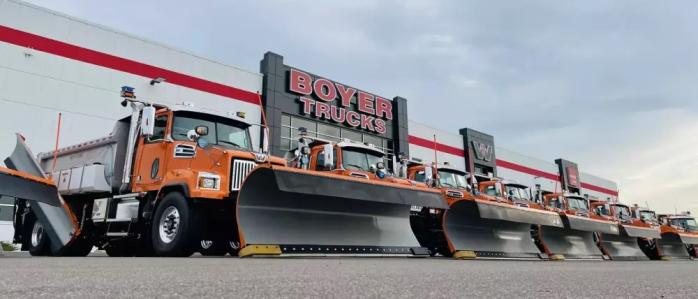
174,230
38,240
233,247
212,248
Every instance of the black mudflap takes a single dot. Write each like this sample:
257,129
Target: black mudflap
467,231
622,247
337,217
671,245
572,244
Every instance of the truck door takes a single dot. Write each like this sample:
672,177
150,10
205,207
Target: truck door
152,156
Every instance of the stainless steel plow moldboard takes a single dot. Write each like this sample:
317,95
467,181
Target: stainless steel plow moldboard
672,245
513,213
572,244
304,213
467,231
46,204
590,225
640,232
622,247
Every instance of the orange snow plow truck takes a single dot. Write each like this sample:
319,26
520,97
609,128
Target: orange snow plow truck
171,181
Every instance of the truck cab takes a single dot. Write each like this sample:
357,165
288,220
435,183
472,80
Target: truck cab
452,182
569,204
346,158
509,192
680,223
164,182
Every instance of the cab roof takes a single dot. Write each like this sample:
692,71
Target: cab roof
514,184
188,107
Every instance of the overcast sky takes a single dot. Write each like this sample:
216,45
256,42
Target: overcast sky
611,85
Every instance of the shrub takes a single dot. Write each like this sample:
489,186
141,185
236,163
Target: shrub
7,246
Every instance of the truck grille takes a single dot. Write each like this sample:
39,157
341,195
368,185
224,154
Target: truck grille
240,170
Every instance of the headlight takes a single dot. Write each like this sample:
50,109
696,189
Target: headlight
209,181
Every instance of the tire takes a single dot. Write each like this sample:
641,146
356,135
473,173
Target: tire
175,227
38,240
118,249
79,247
212,248
233,247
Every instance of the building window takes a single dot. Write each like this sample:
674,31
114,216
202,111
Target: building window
289,134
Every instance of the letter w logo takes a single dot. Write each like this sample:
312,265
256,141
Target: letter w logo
483,151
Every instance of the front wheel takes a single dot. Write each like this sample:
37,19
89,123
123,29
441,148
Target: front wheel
175,227
38,240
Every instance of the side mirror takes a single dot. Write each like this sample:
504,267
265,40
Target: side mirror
328,153
428,173
201,130
194,136
148,121
265,140
498,188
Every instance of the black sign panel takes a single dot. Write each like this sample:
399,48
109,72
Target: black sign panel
292,91
480,155
569,175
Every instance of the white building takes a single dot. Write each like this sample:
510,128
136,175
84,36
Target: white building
51,63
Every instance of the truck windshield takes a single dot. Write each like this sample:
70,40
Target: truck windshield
517,192
358,159
648,216
622,212
577,204
685,223
452,179
221,131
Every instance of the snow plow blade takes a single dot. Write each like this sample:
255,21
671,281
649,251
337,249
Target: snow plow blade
467,231
641,232
576,240
506,212
673,246
306,212
27,181
590,225
570,243
622,247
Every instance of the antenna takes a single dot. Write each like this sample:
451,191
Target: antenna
55,149
436,159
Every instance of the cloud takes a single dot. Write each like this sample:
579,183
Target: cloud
608,84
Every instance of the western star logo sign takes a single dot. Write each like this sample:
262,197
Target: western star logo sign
373,111
483,151
572,176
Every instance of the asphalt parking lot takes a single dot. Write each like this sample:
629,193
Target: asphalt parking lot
101,276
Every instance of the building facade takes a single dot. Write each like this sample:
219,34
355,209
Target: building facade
51,63
295,98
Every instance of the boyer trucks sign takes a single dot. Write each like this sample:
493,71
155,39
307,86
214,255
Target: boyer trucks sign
323,98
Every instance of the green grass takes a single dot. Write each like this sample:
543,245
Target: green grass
7,246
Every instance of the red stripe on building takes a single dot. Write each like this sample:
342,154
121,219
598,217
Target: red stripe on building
599,189
527,170
40,43
501,163
439,146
